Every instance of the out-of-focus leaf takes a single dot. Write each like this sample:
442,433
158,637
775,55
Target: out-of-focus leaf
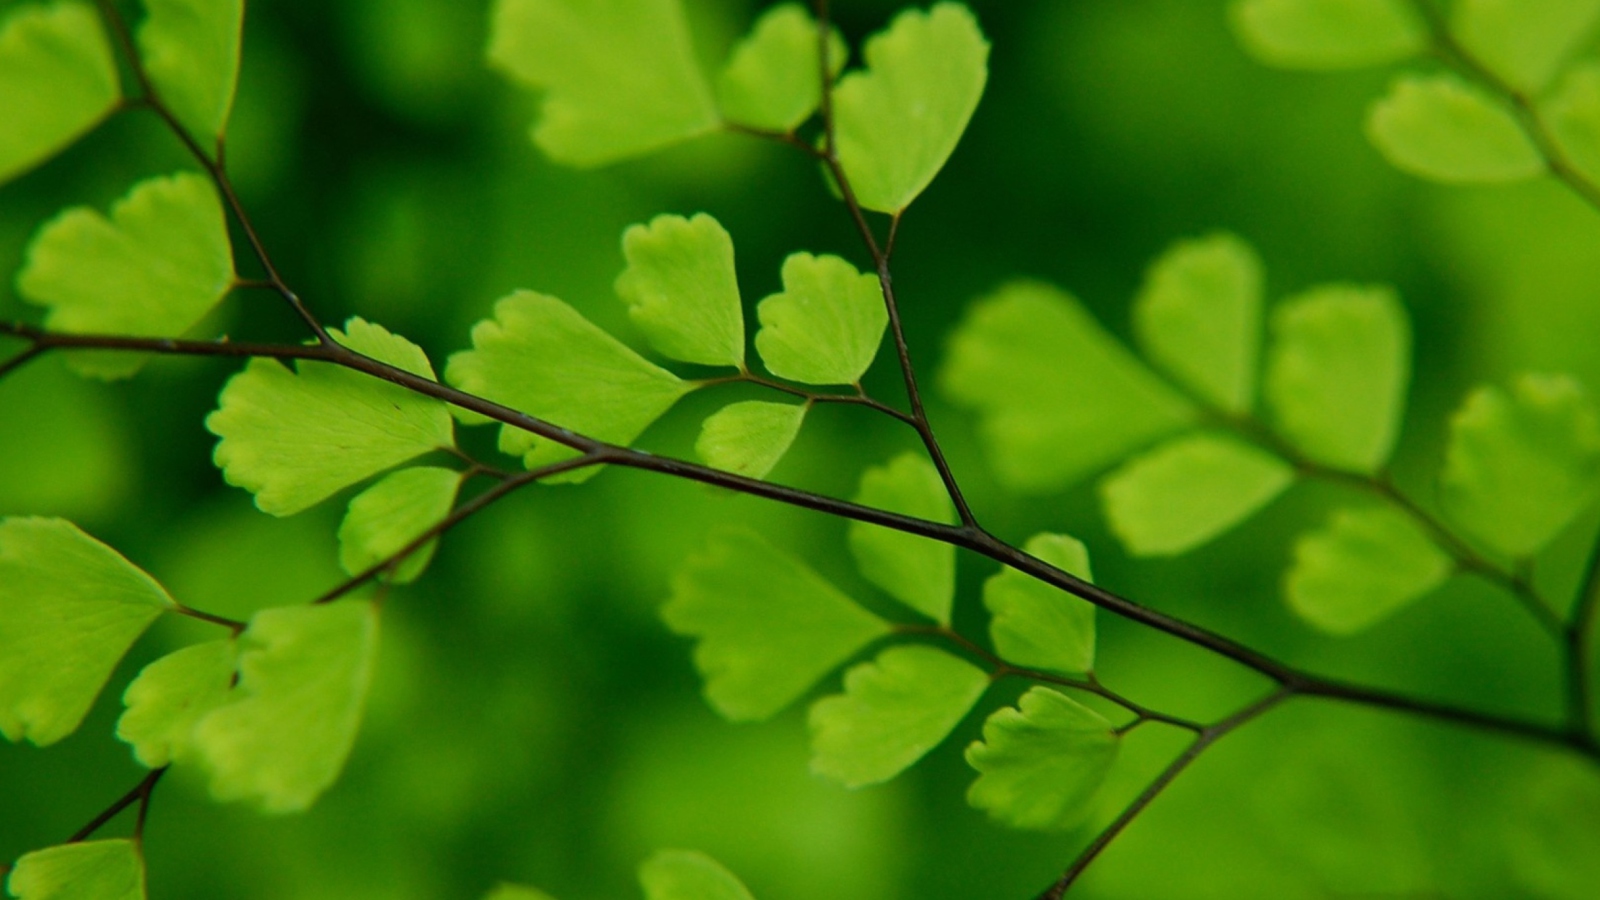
917,571
681,289
1362,567
688,875
826,325
1442,128
190,50
1524,41
1574,116
1036,625
386,517
1328,34
1041,763
89,870
170,696
749,437
773,79
58,77
516,892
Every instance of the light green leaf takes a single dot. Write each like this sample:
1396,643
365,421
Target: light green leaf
892,712
1328,34
90,870
619,76
283,736
768,626
295,438
1199,317
681,289
1057,396
1039,626
1521,465
919,572
170,696
516,892
542,357
688,875
154,269
897,121
1363,566
58,78
1524,41
386,517
190,50
1337,374
749,437
1186,492
773,79
826,325
1574,117
70,607
1442,128
1041,764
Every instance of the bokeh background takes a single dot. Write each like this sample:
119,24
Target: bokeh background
533,720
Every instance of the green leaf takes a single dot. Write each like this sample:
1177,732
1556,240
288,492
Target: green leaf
1524,41
1363,566
917,571
295,438
70,607
1520,466
386,517
516,892
170,696
749,437
826,325
1337,374
542,357
190,50
681,289
688,875
283,736
773,80
892,712
1057,396
768,626
1574,117
1039,765
1189,490
1199,317
899,120
58,78
1039,626
1442,128
1328,34
90,870
619,76
154,269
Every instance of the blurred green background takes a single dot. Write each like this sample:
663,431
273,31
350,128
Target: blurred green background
533,720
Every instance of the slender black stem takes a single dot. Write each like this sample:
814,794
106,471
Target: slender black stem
140,794
232,625
860,398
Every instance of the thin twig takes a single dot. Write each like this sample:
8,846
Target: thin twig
140,794
235,626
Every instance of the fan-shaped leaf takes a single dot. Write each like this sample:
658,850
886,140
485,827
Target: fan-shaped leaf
1036,625
681,289
1040,764
155,268
1328,34
191,52
70,607
170,696
917,571
892,712
58,77
768,626
1440,127
89,870
294,438
1362,567
386,517
826,325
773,79
619,76
1574,117
897,121
1524,41
1057,396
688,875
748,438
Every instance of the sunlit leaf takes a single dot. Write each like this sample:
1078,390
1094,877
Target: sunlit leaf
58,77
681,290
1337,373
1328,34
1041,763
1524,41
542,357
1057,396
1187,491
516,892
1199,317
1521,465
897,121
892,712
1039,626
1574,117
1362,567
295,437
619,76
749,437
90,870
1440,127
773,79
767,626
155,268
70,607
190,50
917,571
386,517
826,325
170,696
283,736
688,875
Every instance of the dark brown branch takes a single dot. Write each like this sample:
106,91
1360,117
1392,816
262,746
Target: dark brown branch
140,794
